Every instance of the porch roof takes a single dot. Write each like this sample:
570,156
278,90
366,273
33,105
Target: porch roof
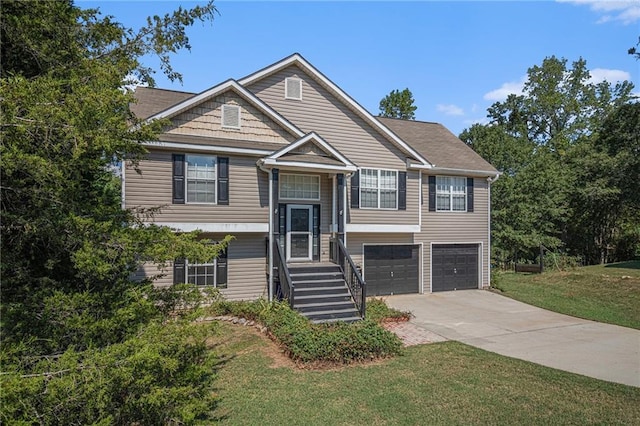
309,152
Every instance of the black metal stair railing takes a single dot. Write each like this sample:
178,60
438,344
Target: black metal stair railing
352,276
285,285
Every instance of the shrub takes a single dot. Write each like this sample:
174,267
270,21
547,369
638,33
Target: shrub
339,343
378,311
161,376
561,261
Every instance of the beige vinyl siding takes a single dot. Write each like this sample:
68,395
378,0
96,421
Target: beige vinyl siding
456,227
410,216
248,192
320,111
356,241
247,276
162,277
246,263
206,118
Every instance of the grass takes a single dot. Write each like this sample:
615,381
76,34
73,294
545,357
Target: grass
445,383
609,294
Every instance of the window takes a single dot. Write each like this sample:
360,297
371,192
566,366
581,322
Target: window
378,189
299,187
293,88
208,274
451,194
231,116
201,179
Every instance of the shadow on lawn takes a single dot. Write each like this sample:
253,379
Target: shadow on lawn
631,264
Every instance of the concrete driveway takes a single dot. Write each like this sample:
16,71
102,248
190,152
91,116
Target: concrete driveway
498,324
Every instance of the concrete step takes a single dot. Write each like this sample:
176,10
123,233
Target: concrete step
313,268
340,316
336,283
313,305
330,320
323,290
322,298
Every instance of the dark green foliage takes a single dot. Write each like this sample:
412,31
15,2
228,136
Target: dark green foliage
378,311
398,104
339,343
560,186
81,341
162,375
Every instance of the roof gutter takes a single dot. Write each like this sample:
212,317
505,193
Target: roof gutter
467,172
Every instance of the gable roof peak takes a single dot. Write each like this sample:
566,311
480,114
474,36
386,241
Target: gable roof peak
214,91
351,103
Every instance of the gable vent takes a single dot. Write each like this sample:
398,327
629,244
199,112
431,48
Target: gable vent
231,116
293,88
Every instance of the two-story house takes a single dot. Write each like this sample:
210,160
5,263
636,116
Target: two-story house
301,174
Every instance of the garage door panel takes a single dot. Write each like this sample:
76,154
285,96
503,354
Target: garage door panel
454,267
391,269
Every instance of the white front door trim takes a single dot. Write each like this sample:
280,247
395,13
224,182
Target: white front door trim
308,233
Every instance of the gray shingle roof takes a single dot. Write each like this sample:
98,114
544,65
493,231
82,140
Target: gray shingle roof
151,100
438,145
432,140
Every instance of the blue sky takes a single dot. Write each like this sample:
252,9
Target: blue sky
456,57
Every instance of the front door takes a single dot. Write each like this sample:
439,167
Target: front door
299,233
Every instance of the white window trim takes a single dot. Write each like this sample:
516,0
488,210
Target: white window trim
286,88
379,182
188,264
300,174
450,209
186,180
237,108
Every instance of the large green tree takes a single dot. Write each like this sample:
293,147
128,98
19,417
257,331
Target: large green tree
398,104
543,142
82,341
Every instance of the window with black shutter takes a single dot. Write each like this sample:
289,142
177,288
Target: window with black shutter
200,179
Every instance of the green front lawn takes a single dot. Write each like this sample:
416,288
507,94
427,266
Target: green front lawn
445,383
609,293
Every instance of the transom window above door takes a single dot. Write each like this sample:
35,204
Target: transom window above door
299,187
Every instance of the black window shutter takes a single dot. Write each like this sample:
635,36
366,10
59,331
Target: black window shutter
402,190
470,194
179,275
178,178
355,190
221,270
223,181
432,193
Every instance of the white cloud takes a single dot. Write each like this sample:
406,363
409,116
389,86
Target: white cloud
626,12
511,87
471,122
450,109
612,76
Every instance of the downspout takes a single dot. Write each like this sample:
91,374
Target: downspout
490,180
270,251
260,164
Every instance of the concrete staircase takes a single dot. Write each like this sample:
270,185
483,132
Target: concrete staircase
321,294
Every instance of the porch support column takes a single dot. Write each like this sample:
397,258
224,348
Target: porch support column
274,228
341,213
